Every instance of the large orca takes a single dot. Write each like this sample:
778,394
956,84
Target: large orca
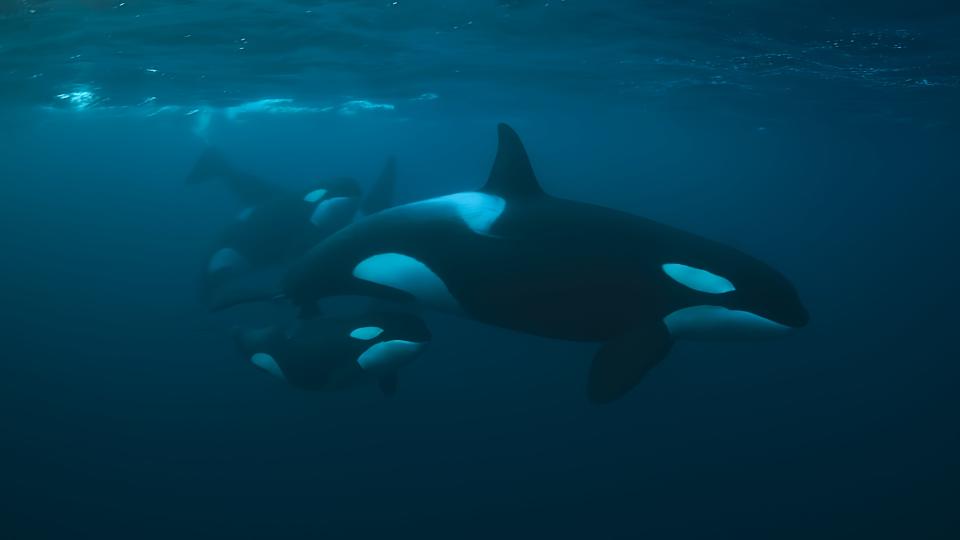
284,225
513,256
327,354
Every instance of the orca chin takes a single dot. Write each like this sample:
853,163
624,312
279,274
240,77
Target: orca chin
720,323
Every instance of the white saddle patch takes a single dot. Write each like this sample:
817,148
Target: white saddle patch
407,274
225,258
478,211
366,333
698,279
716,322
389,356
266,362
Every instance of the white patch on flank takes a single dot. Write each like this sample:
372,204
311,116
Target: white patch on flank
716,322
331,210
224,258
698,279
479,211
388,356
315,195
366,333
409,275
266,362
245,214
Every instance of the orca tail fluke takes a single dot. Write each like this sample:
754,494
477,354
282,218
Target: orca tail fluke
380,196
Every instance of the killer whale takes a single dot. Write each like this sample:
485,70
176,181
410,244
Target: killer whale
513,256
248,188
279,230
328,354
287,223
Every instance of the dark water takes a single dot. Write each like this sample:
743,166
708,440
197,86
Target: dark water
819,136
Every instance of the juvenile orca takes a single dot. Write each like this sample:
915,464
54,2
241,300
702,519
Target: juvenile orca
332,354
513,256
284,226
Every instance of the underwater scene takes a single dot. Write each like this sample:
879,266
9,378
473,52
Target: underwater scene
476,269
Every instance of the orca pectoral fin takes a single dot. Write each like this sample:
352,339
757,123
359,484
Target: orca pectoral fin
388,384
622,362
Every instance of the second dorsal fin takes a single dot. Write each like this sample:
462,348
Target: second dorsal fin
511,176
380,196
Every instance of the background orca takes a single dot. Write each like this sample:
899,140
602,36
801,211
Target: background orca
280,229
285,223
513,256
333,354
249,189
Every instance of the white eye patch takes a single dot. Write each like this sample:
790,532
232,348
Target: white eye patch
366,333
315,195
698,279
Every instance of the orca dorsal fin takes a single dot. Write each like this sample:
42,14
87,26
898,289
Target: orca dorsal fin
380,196
512,175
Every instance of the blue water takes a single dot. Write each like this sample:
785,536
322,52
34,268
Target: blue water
821,138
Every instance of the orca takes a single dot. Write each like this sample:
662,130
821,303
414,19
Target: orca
249,189
283,226
279,230
327,354
513,256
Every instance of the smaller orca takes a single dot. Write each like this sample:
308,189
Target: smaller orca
328,354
